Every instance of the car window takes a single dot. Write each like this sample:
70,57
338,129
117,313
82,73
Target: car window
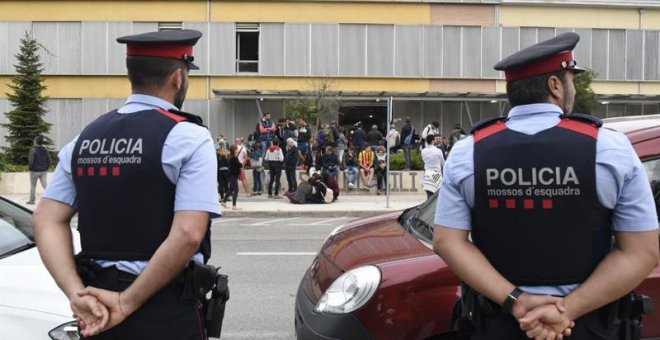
15,228
652,167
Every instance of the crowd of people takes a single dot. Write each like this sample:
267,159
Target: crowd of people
291,145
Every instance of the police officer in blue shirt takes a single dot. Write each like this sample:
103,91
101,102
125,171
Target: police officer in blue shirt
541,192
142,180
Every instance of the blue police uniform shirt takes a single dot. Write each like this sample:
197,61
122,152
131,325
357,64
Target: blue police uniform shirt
188,159
621,180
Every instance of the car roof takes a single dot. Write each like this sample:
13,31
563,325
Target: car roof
642,131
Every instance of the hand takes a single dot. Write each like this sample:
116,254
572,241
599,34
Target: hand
119,309
547,322
92,316
527,302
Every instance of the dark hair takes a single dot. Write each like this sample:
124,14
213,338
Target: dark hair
430,138
359,124
435,123
408,120
147,73
531,90
232,151
276,141
39,140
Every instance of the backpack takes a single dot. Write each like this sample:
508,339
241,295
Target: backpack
409,138
329,136
329,194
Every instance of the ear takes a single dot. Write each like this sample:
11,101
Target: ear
555,89
176,79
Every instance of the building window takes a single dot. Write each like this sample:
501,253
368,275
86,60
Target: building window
247,48
170,26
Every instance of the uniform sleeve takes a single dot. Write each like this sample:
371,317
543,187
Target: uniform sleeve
189,161
624,185
453,209
61,186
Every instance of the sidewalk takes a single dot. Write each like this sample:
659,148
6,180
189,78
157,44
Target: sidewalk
348,205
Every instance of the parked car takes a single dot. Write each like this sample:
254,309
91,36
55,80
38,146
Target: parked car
378,277
31,304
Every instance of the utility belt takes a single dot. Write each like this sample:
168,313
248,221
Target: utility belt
471,310
198,282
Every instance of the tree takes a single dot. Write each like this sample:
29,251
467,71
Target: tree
315,106
585,98
26,121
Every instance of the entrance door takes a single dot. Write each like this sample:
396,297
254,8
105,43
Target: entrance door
351,115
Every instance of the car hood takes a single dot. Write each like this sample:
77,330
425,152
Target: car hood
26,284
373,241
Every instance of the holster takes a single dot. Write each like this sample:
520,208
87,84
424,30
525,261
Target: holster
467,314
200,280
87,269
626,315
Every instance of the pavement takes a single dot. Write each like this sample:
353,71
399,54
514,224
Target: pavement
349,204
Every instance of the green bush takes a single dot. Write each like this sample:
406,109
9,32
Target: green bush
398,161
8,166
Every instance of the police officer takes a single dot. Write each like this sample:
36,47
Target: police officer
541,191
142,180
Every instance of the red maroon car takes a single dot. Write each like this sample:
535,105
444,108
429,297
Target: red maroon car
378,277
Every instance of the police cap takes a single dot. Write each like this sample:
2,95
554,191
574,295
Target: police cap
175,44
548,56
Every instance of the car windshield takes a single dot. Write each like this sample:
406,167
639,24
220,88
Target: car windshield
652,167
16,232
419,220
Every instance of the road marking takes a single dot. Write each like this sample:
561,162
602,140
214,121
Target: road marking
276,253
321,223
222,220
269,222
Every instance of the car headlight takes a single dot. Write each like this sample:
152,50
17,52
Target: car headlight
66,331
350,291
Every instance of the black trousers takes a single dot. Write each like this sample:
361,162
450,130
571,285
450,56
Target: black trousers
592,326
164,316
223,183
291,180
233,190
275,175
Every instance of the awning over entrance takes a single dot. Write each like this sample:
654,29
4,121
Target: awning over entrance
409,96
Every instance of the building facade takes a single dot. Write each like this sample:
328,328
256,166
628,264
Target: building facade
434,58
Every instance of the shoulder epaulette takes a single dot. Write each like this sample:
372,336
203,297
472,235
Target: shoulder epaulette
195,119
584,118
485,123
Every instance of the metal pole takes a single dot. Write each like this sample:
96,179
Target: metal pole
261,114
390,119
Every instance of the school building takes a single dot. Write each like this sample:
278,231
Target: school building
433,57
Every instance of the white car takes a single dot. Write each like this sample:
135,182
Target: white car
31,304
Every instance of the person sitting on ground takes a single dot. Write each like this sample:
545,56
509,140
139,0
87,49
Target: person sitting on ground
331,183
320,192
298,196
352,170
366,161
330,162
380,168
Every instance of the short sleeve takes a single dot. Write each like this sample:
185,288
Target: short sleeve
189,160
61,187
456,197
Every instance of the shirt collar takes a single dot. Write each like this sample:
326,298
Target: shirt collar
533,109
150,100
